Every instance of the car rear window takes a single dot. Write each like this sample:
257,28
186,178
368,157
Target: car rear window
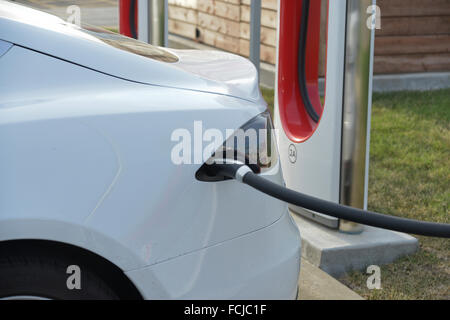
129,44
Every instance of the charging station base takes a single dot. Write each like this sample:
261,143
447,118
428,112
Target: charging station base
337,253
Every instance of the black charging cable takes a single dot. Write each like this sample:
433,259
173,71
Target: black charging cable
245,175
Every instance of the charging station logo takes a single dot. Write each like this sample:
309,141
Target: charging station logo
292,153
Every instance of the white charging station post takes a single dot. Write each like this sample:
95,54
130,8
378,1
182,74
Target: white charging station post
329,158
332,162
153,22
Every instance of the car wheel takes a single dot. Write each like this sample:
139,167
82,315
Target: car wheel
42,275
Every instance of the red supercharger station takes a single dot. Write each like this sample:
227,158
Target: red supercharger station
324,146
324,143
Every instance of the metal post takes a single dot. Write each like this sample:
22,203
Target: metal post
355,113
152,22
255,32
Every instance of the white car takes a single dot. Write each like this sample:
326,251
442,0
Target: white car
97,202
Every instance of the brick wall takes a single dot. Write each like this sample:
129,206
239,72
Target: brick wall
224,24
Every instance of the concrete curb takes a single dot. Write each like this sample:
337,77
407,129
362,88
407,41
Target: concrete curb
315,284
338,253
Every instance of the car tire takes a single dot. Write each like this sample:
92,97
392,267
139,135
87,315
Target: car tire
47,275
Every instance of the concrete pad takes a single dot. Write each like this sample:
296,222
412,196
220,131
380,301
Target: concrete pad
315,284
337,253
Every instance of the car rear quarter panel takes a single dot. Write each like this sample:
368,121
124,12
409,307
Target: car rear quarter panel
86,160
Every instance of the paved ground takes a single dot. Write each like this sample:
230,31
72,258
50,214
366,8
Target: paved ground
103,13
316,284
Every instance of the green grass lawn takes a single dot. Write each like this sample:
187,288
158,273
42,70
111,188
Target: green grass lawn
409,176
